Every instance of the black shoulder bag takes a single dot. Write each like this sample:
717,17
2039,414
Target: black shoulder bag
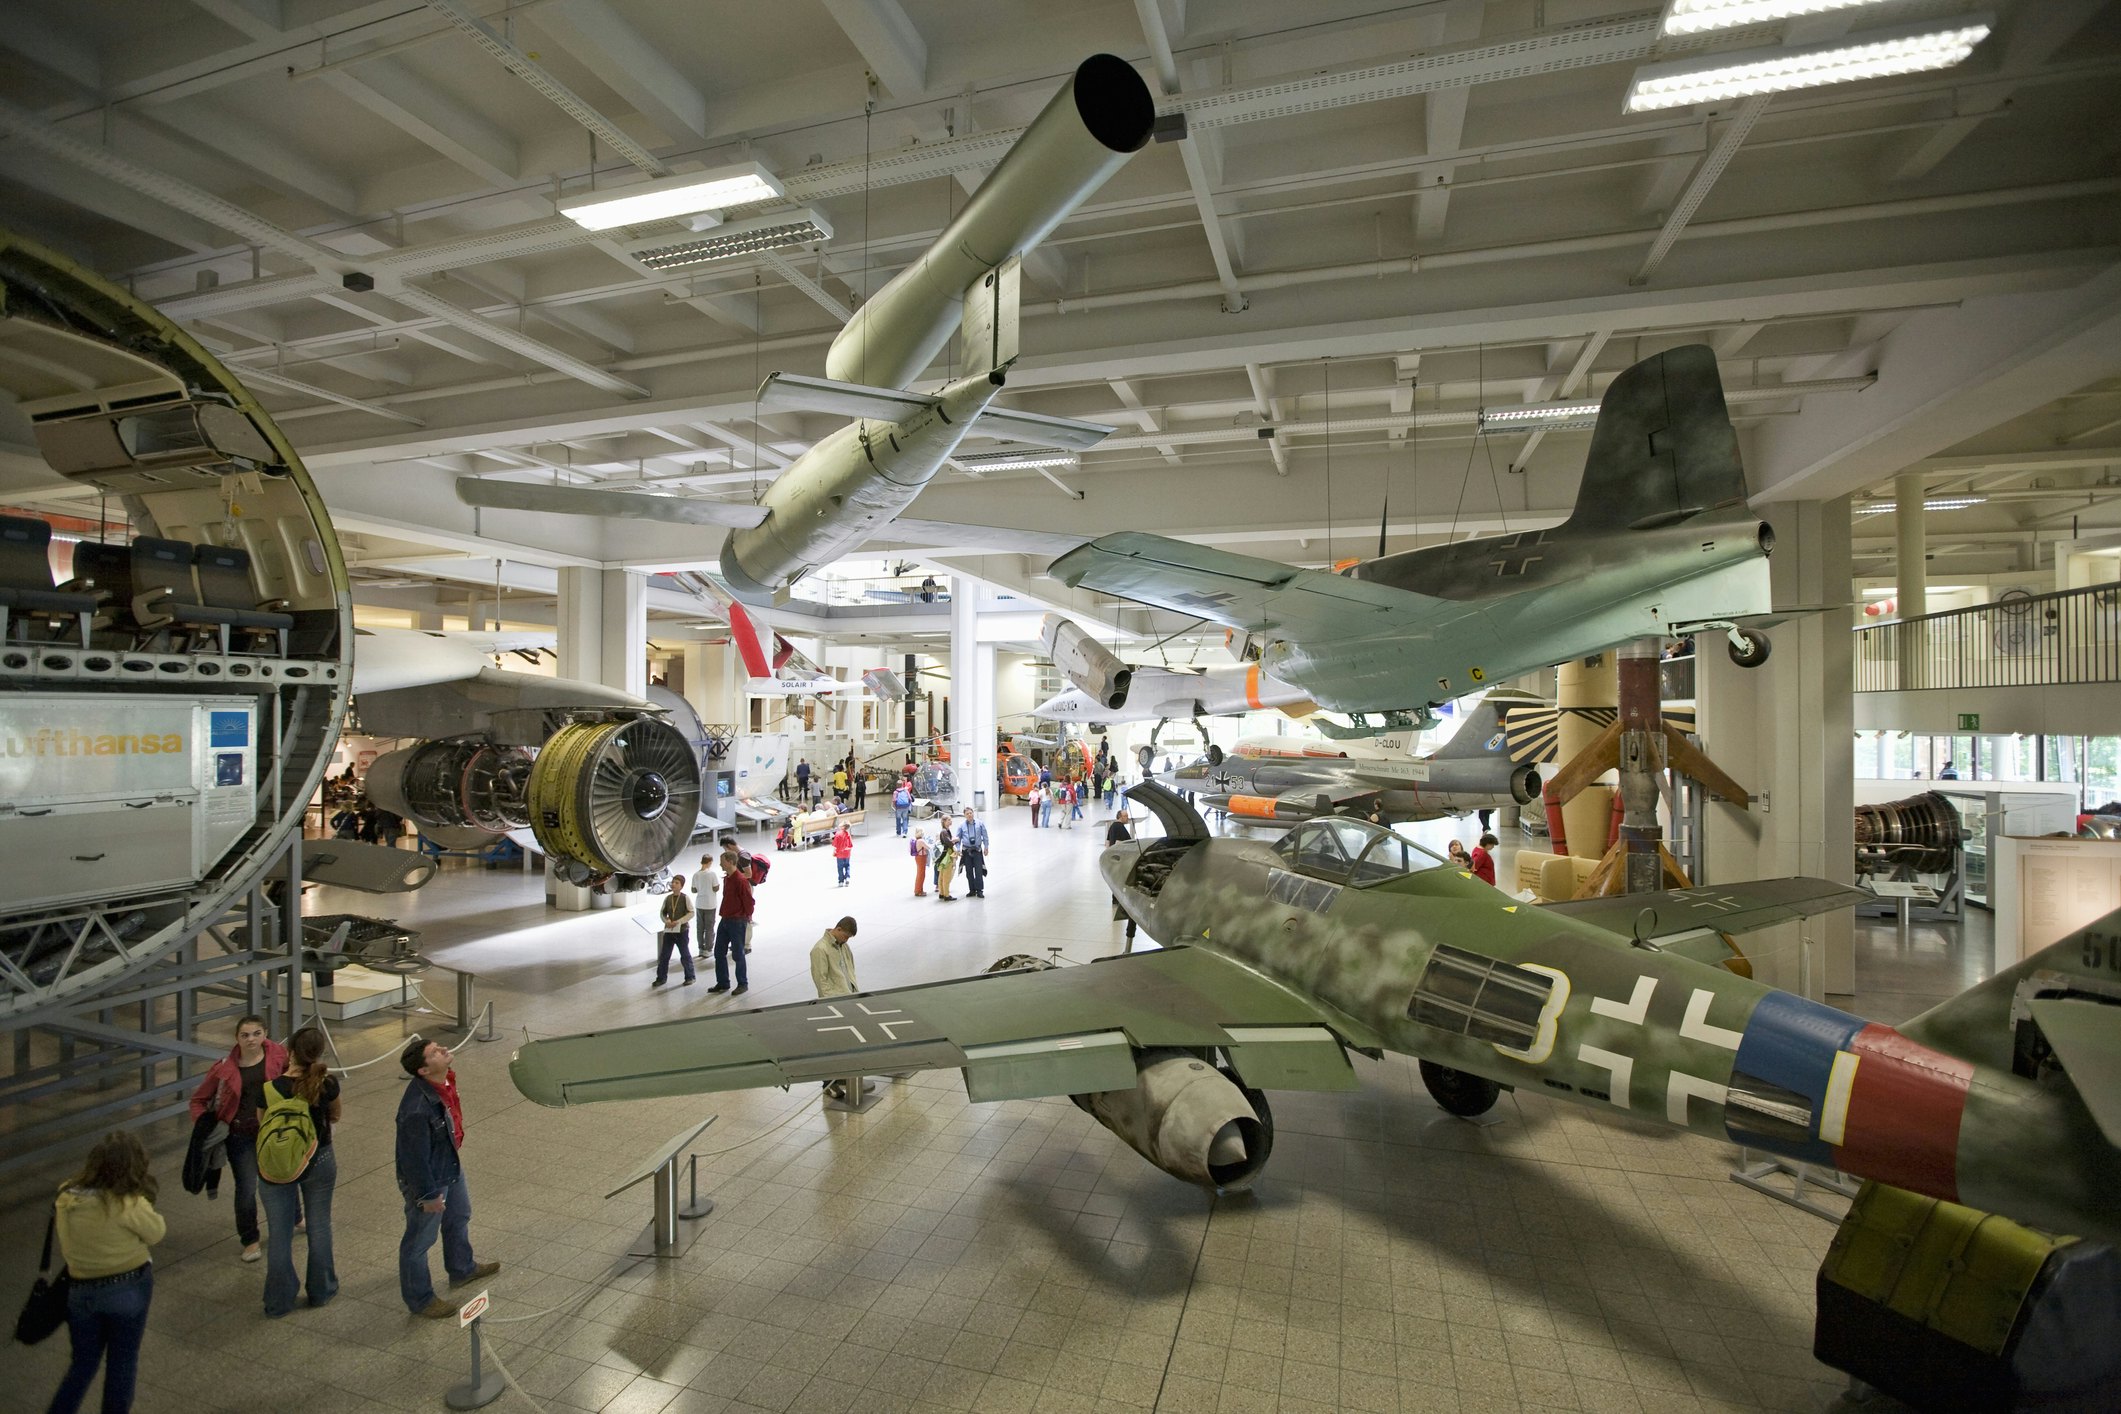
45,1311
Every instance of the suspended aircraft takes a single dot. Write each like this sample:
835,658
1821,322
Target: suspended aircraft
1283,780
856,481
1278,960
1660,544
1105,691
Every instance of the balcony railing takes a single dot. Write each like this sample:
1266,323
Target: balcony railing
2073,636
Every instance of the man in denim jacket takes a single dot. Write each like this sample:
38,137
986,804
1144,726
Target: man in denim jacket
430,1131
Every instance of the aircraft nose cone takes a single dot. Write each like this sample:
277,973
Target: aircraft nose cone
647,794
1228,1146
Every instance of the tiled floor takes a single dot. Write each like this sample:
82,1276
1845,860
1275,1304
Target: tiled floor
934,1254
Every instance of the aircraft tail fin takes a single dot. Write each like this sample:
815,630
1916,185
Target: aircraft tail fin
1663,449
1480,734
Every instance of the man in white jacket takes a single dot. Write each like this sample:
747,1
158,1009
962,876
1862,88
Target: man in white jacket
832,973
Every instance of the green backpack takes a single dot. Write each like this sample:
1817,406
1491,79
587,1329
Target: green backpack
287,1136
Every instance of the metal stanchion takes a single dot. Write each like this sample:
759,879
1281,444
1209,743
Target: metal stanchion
695,1206
481,1389
662,1237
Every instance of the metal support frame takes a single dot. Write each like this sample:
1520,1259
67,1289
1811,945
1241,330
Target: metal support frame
1761,1172
129,1056
663,1237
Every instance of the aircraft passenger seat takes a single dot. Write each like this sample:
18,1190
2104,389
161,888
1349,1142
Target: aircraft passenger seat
26,590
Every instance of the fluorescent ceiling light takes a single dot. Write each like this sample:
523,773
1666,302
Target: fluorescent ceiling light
670,197
1582,414
980,463
1903,49
1704,16
1933,503
737,238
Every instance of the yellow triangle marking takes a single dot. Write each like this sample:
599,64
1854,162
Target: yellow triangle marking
1511,909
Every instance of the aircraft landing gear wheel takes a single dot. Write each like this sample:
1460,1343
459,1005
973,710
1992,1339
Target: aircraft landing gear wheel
1748,650
1463,1095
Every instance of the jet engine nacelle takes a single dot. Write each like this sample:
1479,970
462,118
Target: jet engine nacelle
1190,1120
1087,663
609,798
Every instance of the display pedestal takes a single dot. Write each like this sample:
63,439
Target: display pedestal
666,1236
862,1096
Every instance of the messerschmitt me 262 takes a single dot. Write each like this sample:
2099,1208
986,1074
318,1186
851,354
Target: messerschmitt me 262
1278,960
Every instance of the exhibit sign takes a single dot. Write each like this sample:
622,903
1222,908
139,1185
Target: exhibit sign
73,747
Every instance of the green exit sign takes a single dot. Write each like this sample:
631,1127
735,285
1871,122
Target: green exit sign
1970,721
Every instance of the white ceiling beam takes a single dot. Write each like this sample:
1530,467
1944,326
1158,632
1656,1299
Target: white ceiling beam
395,94
1557,385
2035,34
1444,122
95,194
435,339
1944,375
205,129
758,446
1269,407
536,350
506,285
595,36
1197,159
1150,422
782,266
888,41
1697,188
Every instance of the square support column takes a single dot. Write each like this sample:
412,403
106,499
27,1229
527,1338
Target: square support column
971,697
624,660
579,619
1786,731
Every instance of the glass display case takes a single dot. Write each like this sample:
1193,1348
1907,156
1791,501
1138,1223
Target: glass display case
1988,812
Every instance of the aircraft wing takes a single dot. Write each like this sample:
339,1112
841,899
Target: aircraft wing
998,539
1718,908
1016,1035
622,505
1255,595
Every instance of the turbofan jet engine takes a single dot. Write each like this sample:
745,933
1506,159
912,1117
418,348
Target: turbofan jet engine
603,798
1189,1119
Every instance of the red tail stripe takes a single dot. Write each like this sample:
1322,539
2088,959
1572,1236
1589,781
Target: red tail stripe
1905,1107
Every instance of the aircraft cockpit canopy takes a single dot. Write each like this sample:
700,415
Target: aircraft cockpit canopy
1343,850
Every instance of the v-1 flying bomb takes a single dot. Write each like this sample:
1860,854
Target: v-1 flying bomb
855,482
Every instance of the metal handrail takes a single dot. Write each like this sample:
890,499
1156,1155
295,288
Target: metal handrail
2068,636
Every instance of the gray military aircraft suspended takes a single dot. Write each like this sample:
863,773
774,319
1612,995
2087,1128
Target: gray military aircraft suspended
1283,780
1660,544
857,480
1277,960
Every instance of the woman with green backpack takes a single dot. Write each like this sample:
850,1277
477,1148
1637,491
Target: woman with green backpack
297,1170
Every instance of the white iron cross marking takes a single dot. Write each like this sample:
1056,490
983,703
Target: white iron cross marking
833,1013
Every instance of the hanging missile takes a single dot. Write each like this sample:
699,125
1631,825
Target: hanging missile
1102,115
848,487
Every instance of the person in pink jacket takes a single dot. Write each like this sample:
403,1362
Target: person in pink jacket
843,851
234,1091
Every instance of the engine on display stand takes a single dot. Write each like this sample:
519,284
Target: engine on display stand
1913,843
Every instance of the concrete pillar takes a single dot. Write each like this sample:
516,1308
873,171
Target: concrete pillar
971,697
428,620
579,620
623,662
478,618
1786,732
1910,572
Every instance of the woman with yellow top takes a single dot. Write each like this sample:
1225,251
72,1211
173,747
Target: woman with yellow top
106,1221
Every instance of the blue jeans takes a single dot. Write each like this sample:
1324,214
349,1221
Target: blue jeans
243,1167
678,938
844,865
284,1206
108,1317
729,939
415,1283
900,813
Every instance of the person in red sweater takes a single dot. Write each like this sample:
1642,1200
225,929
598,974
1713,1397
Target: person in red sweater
735,916
843,851
1483,861
234,1091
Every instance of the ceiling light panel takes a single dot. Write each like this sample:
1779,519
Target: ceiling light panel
671,197
737,238
1706,16
1712,78
1541,415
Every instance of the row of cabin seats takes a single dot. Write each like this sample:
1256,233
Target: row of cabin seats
150,593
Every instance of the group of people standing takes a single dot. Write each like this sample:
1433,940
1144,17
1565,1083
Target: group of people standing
719,910
282,1102
848,781
967,845
1481,861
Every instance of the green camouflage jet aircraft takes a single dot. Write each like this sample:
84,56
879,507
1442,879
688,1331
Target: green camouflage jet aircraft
1277,960
1660,544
